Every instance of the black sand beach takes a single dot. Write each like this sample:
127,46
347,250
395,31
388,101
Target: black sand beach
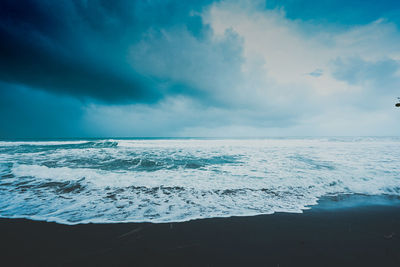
366,235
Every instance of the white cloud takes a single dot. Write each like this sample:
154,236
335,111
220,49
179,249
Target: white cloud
263,74
288,53
290,49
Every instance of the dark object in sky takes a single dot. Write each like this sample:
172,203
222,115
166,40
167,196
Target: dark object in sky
398,104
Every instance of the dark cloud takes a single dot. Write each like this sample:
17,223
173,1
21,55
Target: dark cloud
81,48
42,68
98,68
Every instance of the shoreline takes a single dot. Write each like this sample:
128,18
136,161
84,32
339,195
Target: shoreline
336,202
348,235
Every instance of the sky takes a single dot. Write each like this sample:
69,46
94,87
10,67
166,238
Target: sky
171,68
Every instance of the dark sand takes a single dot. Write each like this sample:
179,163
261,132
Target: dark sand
367,235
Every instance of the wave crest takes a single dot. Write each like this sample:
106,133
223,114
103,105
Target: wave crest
174,180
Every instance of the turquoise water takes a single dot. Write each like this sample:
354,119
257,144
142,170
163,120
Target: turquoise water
169,180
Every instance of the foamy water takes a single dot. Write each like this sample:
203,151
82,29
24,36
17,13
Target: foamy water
180,179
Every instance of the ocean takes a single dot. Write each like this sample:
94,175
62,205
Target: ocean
173,180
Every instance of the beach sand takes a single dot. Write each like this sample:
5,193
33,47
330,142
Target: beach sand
328,235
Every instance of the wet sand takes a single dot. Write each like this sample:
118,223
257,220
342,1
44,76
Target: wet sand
366,235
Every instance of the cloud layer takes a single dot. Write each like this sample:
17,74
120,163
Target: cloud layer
207,68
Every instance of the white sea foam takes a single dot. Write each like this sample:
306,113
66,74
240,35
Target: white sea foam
178,180
39,143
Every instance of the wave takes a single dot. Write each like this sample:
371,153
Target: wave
39,146
178,180
80,143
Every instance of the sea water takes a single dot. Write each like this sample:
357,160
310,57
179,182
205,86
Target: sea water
171,180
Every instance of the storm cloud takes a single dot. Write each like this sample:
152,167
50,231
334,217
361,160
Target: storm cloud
198,68
81,48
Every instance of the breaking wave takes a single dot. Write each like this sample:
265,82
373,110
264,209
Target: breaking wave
177,180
